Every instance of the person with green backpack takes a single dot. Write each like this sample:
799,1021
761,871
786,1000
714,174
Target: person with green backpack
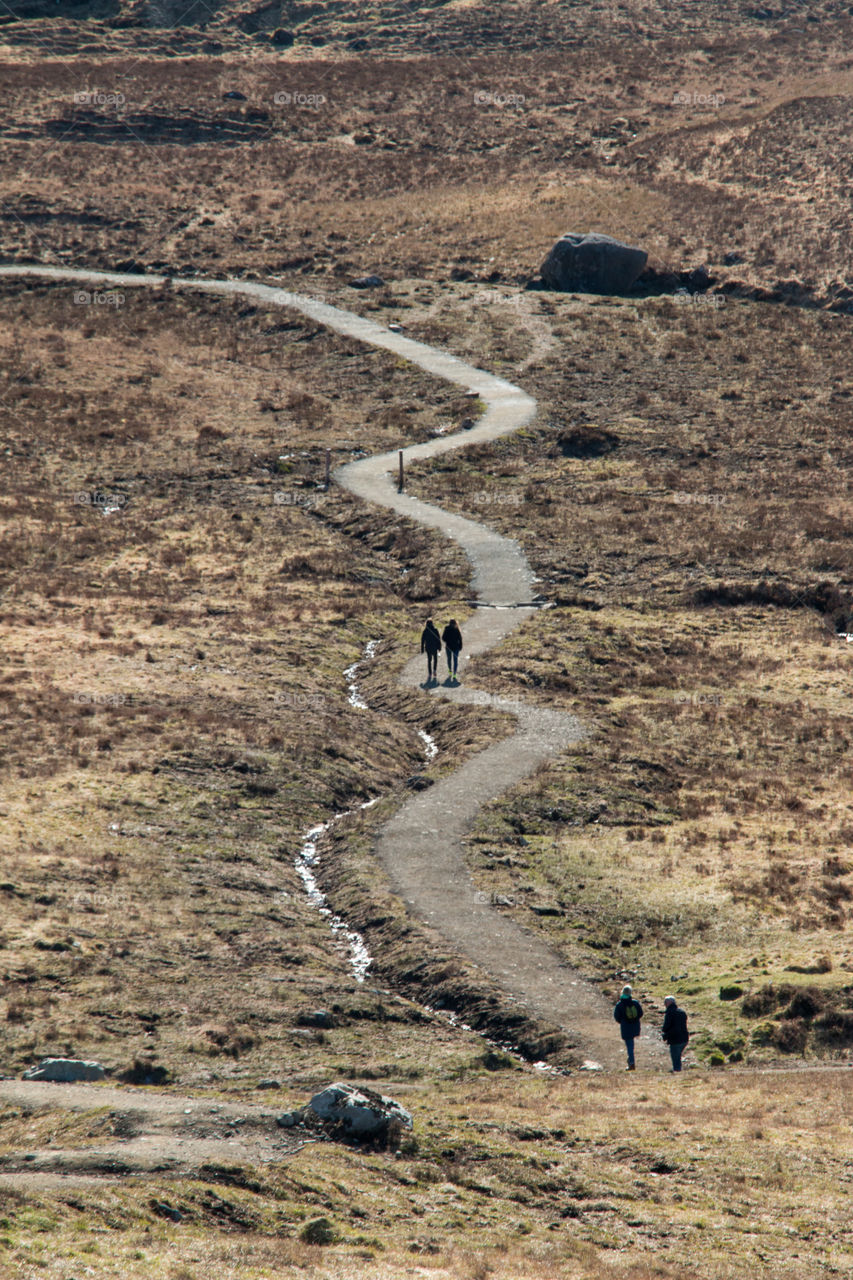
628,1013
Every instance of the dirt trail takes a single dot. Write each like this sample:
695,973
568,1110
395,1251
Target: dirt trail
142,1131
421,846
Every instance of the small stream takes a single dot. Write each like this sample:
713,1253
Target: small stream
308,857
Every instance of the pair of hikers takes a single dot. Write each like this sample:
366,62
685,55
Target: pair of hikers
431,642
629,1013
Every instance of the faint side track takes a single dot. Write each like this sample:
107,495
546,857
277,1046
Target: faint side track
421,847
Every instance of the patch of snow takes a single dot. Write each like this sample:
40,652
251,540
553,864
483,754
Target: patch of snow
353,695
305,862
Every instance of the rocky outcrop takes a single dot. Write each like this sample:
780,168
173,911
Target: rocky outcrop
360,1113
592,263
65,1070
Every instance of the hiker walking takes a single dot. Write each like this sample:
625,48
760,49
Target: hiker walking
431,646
674,1031
452,637
628,1012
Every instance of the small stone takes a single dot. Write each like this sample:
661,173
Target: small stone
269,1084
367,282
317,1018
164,1210
419,782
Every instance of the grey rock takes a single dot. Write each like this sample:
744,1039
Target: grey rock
367,282
699,279
269,1084
361,1112
419,782
317,1018
165,1210
65,1070
289,1119
592,263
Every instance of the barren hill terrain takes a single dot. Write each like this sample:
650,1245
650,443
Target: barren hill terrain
202,644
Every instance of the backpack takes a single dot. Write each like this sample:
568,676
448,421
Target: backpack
631,1011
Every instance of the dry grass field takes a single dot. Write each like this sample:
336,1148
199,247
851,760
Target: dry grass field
509,1175
686,504
181,599
465,145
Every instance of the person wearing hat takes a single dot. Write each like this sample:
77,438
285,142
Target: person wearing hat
675,1031
628,1013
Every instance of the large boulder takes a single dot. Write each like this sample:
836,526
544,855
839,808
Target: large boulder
592,264
361,1113
65,1070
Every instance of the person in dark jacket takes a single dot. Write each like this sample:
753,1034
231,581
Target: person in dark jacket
675,1031
628,1013
431,646
452,637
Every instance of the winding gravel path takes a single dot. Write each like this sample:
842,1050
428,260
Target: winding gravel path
421,846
